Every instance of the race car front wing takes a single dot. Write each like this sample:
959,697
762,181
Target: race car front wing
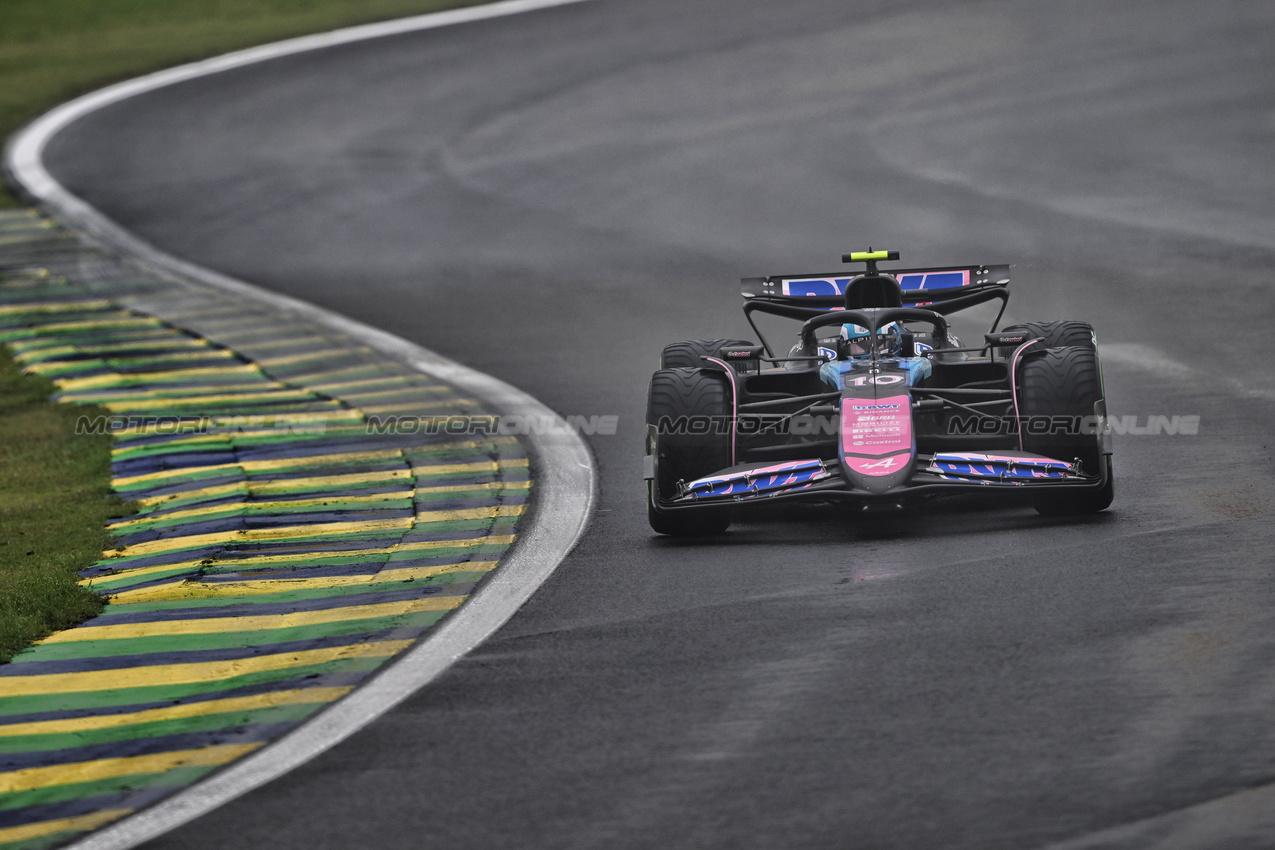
821,480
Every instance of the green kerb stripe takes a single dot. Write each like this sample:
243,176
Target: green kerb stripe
465,577
181,726
224,640
167,693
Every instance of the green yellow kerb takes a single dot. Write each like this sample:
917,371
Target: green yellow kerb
282,549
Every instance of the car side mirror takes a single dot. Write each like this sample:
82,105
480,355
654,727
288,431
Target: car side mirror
907,344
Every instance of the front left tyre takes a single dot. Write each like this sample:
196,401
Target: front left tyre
690,426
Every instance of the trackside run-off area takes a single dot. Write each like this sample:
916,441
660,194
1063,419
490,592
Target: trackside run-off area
283,552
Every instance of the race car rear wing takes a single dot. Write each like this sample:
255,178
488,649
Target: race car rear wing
921,287
944,290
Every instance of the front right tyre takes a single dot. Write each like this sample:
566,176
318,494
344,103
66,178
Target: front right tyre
690,426
691,353
1064,334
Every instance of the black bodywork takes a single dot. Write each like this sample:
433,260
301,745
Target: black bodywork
971,402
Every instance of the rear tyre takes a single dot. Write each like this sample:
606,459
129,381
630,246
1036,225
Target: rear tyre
1066,334
684,454
1065,382
690,354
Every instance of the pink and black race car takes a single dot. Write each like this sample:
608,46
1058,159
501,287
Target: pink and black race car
877,404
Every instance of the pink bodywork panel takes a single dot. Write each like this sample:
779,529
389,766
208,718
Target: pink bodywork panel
881,428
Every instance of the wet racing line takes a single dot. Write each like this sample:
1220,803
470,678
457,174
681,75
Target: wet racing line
592,182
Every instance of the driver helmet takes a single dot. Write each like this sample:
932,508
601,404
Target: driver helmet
856,341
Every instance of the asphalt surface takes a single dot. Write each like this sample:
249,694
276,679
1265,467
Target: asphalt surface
553,197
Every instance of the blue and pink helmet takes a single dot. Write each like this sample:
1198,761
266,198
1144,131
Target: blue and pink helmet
856,341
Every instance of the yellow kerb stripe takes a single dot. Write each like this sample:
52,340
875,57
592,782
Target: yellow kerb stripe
374,383
330,378
256,535
158,338
471,513
81,823
140,394
303,696
116,320
484,444
141,572
260,465
260,506
260,587
118,378
262,340
237,488
272,560
220,625
480,466
93,771
286,485
188,674
475,488
23,352
205,353
318,501
59,307
53,365
372,395
272,395
444,407
292,359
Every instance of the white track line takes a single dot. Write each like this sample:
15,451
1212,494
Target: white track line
565,476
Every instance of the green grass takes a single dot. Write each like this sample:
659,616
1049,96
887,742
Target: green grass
53,50
55,501
55,498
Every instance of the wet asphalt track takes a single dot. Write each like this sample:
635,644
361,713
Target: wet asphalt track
552,197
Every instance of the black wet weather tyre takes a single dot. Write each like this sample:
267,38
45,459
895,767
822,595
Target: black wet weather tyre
1065,334
1059,386
690,354
689,431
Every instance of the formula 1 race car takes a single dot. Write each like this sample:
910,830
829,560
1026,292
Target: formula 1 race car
878,404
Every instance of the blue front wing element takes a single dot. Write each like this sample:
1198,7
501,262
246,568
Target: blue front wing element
999,467
792,475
